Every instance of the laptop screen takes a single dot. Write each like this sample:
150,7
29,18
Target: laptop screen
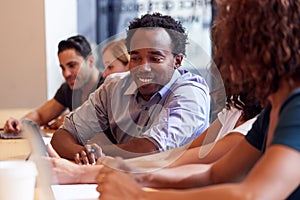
32,132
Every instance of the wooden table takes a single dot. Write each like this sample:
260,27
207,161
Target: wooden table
14,149
12,112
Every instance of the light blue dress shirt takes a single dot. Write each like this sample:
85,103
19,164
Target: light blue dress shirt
172,117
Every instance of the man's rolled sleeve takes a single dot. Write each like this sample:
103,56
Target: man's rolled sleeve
83,123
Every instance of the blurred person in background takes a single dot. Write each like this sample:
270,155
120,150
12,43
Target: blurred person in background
81,78
115,57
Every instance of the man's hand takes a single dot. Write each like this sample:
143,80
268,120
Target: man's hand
12,125
56,123
89,154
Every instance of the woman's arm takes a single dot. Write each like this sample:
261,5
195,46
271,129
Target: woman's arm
275,176
66,172
208,136
231,167
209,153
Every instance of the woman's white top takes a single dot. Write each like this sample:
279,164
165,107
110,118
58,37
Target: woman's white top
229,118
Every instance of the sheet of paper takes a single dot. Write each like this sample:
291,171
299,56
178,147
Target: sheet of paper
75,192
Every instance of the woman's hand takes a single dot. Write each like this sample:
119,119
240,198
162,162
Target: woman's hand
115,185
64,171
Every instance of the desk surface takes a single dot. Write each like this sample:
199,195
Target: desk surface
12,112
11,149
14,149
19,149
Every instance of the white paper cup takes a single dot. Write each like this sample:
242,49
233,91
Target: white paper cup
17,180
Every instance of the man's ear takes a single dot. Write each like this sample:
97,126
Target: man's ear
178,60
91,61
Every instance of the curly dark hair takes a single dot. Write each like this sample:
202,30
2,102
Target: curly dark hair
78,42
260,40
240,96
247,102
173,28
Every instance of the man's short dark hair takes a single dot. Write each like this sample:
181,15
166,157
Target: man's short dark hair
157,20
78,42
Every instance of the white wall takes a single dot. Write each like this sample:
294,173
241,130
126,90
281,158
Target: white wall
61,23
28,50
22,54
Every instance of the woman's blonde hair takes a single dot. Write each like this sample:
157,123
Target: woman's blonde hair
118,49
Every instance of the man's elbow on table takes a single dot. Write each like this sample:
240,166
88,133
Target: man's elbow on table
65,144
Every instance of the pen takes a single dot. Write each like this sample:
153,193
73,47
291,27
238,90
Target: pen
90,149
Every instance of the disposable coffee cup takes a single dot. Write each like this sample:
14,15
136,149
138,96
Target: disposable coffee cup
17,180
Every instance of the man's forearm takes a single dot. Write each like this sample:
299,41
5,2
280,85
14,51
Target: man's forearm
134,148
65,144
34,116
139,145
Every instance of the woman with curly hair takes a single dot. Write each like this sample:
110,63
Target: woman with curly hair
258,41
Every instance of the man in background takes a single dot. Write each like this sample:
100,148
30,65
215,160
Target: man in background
77,63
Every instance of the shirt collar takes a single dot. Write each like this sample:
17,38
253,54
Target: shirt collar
132,89
167,87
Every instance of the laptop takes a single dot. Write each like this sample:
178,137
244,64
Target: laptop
13,135
32,132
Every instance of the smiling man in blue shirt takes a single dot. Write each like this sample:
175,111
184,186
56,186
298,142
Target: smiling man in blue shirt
154,107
